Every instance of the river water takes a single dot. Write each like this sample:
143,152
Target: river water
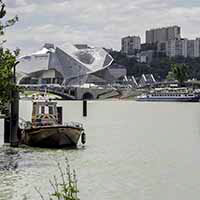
134,150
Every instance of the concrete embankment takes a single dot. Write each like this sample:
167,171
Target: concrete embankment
129,94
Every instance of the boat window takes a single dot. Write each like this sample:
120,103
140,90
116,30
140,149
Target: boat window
38,120
51,110
42,109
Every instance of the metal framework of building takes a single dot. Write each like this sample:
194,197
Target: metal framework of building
68,65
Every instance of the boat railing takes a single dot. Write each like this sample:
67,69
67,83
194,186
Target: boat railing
74,124
23,124
43,123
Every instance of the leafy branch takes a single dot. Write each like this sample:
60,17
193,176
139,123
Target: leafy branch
7,61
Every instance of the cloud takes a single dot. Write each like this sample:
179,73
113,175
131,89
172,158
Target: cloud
98,23
11,3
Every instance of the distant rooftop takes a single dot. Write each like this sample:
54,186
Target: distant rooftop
163,27
82,46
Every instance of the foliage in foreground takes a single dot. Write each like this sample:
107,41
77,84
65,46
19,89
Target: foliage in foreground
67,189
7,60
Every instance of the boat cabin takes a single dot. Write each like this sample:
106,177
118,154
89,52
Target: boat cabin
44,113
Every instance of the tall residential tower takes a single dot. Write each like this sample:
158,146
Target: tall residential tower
130,44
163,34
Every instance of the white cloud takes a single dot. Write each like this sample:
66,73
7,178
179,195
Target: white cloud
100,23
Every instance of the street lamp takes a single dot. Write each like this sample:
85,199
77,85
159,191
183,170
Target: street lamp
14,72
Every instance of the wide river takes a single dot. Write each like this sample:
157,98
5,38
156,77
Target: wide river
134,150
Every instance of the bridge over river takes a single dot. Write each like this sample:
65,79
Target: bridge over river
76,93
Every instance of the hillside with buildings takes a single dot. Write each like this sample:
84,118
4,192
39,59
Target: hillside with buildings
165,41
162,47
159,65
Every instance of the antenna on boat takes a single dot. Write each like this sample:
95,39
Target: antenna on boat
46,95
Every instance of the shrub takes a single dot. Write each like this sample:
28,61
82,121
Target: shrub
67,189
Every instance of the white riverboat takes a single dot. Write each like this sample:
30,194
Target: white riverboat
172,95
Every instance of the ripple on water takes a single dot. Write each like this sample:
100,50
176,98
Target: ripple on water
134,151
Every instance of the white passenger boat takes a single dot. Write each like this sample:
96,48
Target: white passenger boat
169,96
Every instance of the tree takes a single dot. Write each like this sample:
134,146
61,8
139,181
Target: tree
179,72
7,61
170,76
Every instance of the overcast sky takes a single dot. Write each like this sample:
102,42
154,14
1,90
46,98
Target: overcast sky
96,22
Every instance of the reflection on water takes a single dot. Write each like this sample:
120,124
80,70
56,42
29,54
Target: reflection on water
8,168
8,159
134,151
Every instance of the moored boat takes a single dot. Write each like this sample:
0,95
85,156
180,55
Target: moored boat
170,96
47,129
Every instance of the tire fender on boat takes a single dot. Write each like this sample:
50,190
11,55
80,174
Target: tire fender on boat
83,138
